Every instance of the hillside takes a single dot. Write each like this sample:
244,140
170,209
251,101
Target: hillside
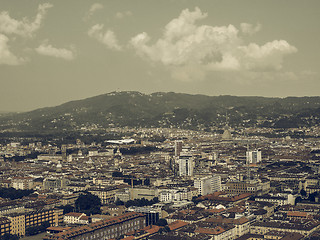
135,109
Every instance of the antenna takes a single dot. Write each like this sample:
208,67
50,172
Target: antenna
227,119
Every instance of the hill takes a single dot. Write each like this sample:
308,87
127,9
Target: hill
134,109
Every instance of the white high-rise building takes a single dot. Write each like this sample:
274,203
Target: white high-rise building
186,165
254,156
208,184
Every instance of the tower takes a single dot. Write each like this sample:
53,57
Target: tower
186,165
253,156
64,152
177,147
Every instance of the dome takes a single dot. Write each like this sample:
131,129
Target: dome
226,135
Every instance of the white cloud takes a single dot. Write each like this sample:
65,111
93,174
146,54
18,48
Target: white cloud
121,15
190,51
250,29
266,57
48,50
6,56
24,27
108,38
94,7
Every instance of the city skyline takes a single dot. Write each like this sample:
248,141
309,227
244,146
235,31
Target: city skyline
53,52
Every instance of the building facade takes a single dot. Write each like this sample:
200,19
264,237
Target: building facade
208,184
254,157
186,166
106,229
4,226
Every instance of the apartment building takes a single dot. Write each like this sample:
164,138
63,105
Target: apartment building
4,226
304,227
23,183
19,222
252,186
106,229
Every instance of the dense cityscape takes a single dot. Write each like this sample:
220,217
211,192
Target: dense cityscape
159,120
160,183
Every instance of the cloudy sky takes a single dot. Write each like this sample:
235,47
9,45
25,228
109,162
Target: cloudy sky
52,52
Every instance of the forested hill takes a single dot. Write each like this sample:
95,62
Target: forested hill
134,109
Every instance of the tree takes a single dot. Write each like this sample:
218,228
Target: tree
119,202
67,208
117,174
303,193
8,236
88,203
196,199
14,193
312,196
141,202
30,231
298,199
147,182
161,222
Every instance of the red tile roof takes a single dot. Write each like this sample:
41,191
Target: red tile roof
297,214
177,224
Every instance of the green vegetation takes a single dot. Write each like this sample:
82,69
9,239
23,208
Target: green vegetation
13,193
37,229
67,208
8,236
162,222
137,150
141,202
186,111
88,204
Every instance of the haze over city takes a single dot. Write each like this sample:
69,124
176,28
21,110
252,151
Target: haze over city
57,51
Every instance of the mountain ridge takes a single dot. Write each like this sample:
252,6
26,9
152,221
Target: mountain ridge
169,109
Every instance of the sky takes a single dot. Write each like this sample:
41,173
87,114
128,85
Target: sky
52,52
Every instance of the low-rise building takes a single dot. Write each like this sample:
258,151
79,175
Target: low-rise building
106,194
252,186
73,217
283,199
303,227
23,183
106,229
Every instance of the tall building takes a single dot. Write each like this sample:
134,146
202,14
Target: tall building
64,152
208,184
177,147
186,165
253,156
